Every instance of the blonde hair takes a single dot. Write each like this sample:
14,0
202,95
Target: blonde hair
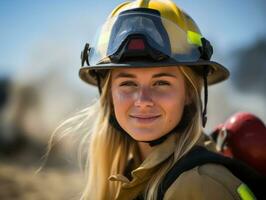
107,151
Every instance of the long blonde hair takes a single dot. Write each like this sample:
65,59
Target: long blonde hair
107,151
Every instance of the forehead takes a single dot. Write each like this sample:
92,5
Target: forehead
139,72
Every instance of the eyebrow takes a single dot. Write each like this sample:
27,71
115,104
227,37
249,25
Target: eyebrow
163,74
128,75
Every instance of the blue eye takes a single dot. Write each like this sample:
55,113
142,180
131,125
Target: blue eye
128,83
162,83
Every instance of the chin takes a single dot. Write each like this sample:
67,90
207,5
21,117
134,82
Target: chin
144,135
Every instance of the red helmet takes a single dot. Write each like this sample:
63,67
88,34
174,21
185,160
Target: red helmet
243,136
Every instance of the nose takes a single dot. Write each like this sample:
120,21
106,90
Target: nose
144,98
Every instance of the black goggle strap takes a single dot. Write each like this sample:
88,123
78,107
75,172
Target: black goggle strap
206,49
85,58
85,55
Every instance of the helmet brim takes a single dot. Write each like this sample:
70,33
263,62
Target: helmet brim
218,72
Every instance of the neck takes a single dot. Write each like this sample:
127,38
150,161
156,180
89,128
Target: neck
144,149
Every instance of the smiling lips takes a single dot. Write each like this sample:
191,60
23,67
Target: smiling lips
145,118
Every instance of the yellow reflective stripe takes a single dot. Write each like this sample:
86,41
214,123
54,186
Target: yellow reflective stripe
245,193
194,38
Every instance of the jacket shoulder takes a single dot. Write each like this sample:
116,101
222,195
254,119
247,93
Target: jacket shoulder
205,182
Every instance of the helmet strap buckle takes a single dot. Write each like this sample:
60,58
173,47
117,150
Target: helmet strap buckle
206,49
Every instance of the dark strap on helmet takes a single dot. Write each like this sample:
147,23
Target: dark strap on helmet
85,55
98,79
206,52
205,82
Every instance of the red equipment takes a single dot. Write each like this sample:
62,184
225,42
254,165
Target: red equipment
243,136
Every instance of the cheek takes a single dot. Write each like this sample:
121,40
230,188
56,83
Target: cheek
173,105
121,102
170,99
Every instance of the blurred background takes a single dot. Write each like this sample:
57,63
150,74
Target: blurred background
40,45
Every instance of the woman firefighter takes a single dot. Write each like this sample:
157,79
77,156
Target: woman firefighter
150,64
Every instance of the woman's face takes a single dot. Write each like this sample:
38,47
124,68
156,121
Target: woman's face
148,102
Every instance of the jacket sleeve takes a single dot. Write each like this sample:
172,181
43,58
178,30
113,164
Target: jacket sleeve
207,182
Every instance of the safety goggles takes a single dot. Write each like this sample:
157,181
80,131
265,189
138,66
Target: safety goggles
143,33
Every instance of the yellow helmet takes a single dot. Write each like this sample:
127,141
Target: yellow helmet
149,33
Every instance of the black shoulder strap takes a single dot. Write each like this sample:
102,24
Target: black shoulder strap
200,156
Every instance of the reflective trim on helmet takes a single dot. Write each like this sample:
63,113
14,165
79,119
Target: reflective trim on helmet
245,193
194,38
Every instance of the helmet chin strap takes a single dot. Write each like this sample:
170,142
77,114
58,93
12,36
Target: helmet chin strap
205,82
188,114
152,143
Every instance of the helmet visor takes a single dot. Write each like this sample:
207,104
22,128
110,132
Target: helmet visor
160,34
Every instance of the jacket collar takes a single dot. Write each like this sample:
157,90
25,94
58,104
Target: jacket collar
158,155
